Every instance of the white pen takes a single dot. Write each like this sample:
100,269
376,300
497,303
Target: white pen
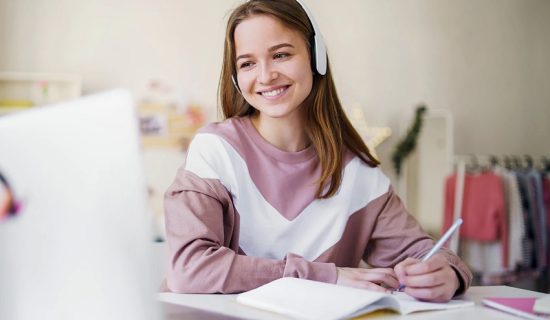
439,244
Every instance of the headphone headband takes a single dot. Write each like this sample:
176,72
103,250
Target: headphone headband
319,50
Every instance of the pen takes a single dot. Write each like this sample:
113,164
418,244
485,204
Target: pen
439,244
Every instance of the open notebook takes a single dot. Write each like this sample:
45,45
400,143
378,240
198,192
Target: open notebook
306,299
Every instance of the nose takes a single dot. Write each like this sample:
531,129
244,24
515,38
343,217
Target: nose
267,73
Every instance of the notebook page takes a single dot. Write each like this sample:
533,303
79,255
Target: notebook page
408,304
306,299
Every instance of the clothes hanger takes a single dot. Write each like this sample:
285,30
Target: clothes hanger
517,163
508,163
528,161
473,165
545,164
493,160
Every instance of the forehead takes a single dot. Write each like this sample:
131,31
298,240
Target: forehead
260,32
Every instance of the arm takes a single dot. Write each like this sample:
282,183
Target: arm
202,234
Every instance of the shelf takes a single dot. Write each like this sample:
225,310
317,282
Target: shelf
19,90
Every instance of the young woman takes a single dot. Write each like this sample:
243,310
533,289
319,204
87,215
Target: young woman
284,186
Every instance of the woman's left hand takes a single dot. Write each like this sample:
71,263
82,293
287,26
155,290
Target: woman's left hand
433,280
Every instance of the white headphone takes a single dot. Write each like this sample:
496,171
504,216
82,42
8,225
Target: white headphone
318,48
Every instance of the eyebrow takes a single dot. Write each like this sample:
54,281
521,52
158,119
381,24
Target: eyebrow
275,47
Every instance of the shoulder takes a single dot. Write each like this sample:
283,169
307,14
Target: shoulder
218,148
215,137
353,160
229,129
211,137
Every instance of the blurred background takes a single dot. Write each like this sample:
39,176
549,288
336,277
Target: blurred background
481,69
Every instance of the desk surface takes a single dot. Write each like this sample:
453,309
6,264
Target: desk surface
224,307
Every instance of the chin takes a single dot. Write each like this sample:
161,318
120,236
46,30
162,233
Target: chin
277,114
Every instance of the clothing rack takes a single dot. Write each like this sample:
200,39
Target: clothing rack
532,208
509,161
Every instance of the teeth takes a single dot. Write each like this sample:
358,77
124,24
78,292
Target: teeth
273,93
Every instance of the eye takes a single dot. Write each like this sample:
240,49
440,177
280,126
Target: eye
281,55
245,65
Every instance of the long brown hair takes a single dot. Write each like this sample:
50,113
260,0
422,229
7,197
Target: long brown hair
326,124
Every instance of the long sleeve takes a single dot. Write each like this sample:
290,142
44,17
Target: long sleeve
398,235
203,234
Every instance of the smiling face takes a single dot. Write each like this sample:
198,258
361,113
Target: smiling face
273,67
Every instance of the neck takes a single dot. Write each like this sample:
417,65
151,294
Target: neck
285,134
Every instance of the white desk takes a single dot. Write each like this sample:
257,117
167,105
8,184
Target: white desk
224,307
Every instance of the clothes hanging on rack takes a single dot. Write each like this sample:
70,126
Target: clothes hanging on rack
531,185
508,236
546,197
514,214
540,216
483,210
527,210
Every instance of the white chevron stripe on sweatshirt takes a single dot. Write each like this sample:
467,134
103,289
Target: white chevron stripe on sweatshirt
264,232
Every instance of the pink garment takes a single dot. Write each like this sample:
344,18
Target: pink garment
241,213
483,209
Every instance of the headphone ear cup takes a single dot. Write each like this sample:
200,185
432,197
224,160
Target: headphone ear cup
234,79
320,54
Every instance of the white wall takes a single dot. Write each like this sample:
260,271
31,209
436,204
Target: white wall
487,61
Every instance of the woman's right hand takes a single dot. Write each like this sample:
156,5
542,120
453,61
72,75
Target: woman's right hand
377,279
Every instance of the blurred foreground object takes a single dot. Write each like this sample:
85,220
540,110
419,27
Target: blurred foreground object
81,245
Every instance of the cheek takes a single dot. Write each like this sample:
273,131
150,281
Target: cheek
245,81
301,73
305,79
246,85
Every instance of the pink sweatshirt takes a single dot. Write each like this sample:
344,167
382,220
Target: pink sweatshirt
242,213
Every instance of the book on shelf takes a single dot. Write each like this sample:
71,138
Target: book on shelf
307,299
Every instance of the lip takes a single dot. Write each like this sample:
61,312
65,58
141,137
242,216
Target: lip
284,87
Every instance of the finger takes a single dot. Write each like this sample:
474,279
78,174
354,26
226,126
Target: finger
426,280
388,280
400,267
434,294
388,271
385,276
434,263
363,284
374,287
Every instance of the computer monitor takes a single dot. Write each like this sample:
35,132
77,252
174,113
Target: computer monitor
79,245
